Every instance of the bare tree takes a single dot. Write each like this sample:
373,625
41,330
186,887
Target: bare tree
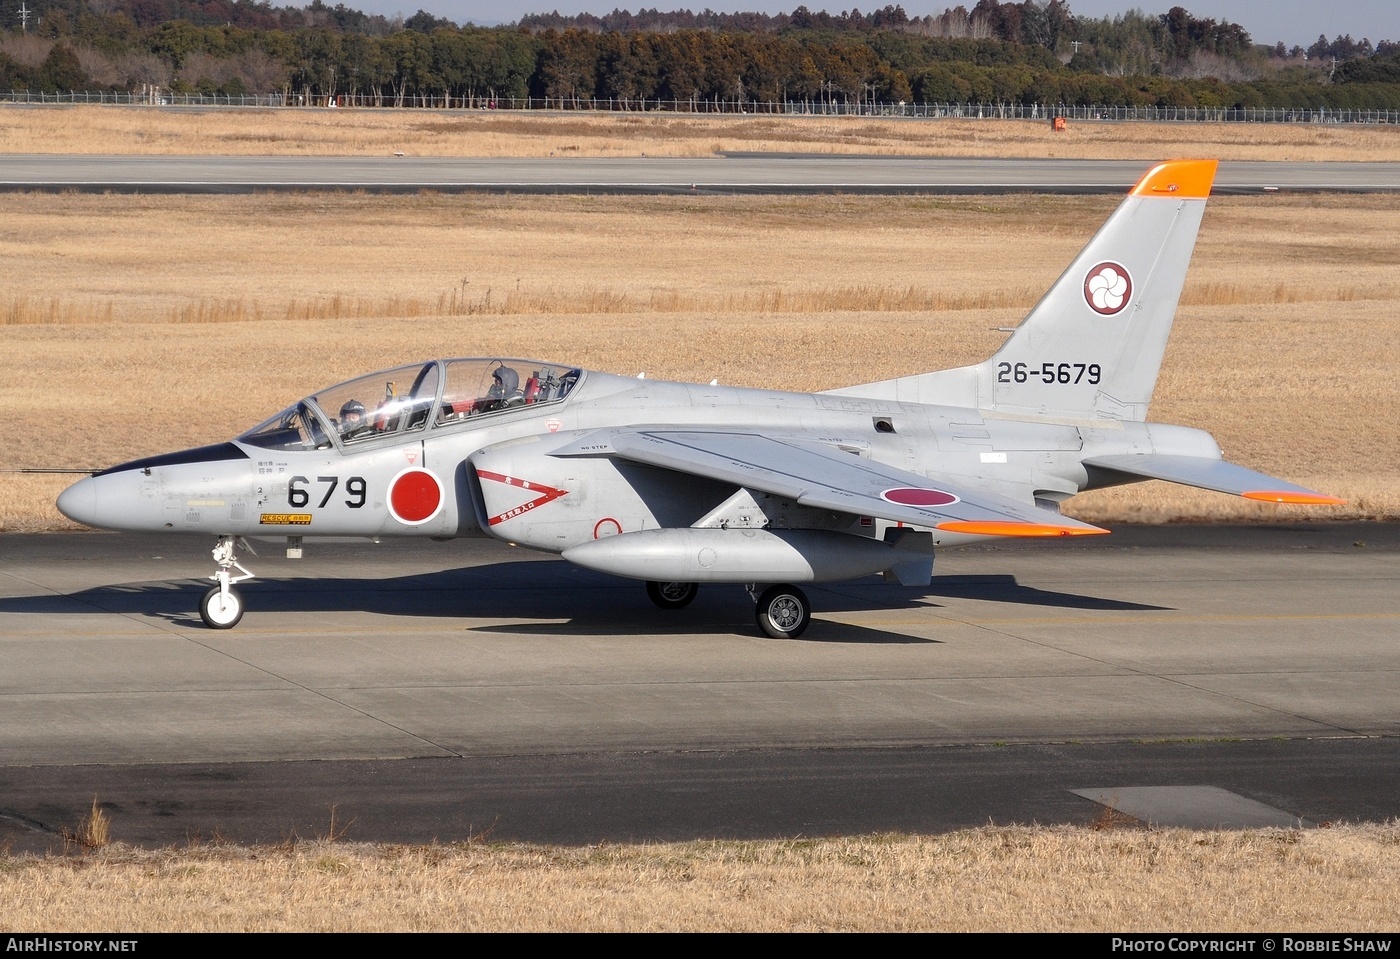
100,68
1202,64
204,67
260,72
143,70
25,48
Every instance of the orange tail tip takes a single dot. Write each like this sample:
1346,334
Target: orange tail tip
1296,499
1018,529
1178,179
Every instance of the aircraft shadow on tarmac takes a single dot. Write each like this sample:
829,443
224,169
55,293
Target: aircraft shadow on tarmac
1004,589
576,601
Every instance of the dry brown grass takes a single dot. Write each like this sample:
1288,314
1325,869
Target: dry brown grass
153,323
94,832
459,303
301,132
28,310
993,879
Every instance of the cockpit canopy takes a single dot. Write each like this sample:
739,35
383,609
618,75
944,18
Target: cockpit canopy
439,394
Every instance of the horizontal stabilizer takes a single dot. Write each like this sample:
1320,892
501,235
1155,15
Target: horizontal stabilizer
1212,474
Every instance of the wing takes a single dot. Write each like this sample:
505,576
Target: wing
1212,474
813,474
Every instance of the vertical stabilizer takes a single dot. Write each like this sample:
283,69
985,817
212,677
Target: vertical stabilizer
1092,347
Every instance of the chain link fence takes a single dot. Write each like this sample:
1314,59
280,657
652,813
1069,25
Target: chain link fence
997,111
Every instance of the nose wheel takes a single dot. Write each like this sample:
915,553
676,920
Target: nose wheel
222,607
783,611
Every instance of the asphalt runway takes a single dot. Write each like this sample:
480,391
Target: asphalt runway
1213,676
727,174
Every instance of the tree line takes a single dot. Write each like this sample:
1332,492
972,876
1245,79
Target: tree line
1032,52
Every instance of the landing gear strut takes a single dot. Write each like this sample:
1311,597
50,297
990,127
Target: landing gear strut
672,595
222,607
783,611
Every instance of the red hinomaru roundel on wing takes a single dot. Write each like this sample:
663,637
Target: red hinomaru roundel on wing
415,496
1108,288
913,496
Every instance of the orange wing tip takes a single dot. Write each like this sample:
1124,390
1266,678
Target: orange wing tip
1296,499
1018,529
1178,179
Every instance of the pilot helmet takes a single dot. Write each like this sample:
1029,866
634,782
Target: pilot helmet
507,377
352,406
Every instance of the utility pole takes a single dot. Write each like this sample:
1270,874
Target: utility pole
23,17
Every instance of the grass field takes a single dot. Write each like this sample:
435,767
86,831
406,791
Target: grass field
315,132
133,325
1019,879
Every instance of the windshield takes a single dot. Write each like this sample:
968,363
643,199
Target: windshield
411,399
296,428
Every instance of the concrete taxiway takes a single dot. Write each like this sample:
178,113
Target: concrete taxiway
724,174
433,690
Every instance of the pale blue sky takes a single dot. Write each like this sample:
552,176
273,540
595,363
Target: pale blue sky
1292,21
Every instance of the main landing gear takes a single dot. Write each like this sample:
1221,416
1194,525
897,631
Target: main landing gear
672,595
782,611
222,607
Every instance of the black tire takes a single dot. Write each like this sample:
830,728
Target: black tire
672,595
783,612
218,614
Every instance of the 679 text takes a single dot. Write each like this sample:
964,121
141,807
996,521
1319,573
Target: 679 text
299,491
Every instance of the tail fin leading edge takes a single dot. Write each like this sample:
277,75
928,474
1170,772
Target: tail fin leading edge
1092,347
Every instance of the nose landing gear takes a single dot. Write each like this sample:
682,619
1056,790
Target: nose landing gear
222,607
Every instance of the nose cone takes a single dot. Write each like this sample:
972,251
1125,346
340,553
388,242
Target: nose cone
79,502
112,500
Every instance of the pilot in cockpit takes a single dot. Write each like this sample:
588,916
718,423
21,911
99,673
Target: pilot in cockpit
352,419
505,390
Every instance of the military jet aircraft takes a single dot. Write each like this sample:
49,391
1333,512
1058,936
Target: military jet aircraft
681,484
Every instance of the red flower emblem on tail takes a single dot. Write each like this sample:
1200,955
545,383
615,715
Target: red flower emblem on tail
1108,288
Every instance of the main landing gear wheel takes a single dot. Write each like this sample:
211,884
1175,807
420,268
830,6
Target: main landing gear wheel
672,595
783,611
220,608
